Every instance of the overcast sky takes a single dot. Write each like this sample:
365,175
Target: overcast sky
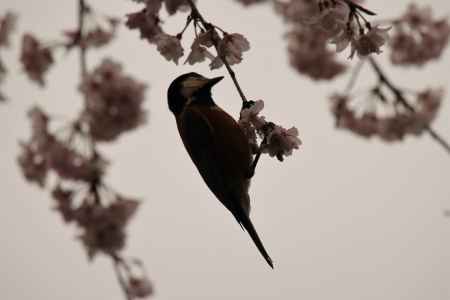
343,218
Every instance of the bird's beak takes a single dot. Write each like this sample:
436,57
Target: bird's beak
212,82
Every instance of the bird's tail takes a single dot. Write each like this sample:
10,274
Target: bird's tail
247,223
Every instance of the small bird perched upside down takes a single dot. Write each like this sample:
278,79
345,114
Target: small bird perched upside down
216,145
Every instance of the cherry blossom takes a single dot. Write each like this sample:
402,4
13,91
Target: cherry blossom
36,59
147,22
369,42
230,48
309,54
7,26
139,287
418,37
281,142
169,46
276,141
389,127
199,51
114,101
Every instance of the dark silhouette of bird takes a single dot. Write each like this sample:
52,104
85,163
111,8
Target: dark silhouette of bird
216,145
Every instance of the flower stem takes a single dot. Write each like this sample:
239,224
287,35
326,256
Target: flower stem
117,261
208,26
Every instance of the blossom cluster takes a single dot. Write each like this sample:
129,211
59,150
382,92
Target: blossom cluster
99,33
113,102
229,46
318,24
37,57
276,140
7,26
387,118
418,37
113,105
80,196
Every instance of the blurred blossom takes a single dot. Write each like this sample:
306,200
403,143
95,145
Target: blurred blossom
69,164
172,6
309,54
369,42
113,101
389,127
64,202
418,37
317,23
139,287
147,22
95,37
33,165
7,25
36,59
104,226
44,152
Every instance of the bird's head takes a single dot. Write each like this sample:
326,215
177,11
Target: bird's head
189,88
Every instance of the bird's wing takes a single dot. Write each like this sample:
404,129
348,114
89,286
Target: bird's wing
220,151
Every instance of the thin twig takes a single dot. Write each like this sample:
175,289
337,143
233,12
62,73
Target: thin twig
354,76
208,26
116,263
398,93
82,9
257,157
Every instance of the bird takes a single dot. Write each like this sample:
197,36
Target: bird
217,146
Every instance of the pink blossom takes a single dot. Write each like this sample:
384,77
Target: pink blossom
69,164
169,46
250,133
172,6
309,54
251,114
139,287
39,120
7,25
35,58
33,165
369,42
250,122
418,37
104,226
64,203
146,22
198,52
392,126
281,142
113,101
230,48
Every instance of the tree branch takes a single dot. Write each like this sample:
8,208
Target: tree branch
402,100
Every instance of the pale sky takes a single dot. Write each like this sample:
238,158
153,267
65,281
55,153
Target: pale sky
343,218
